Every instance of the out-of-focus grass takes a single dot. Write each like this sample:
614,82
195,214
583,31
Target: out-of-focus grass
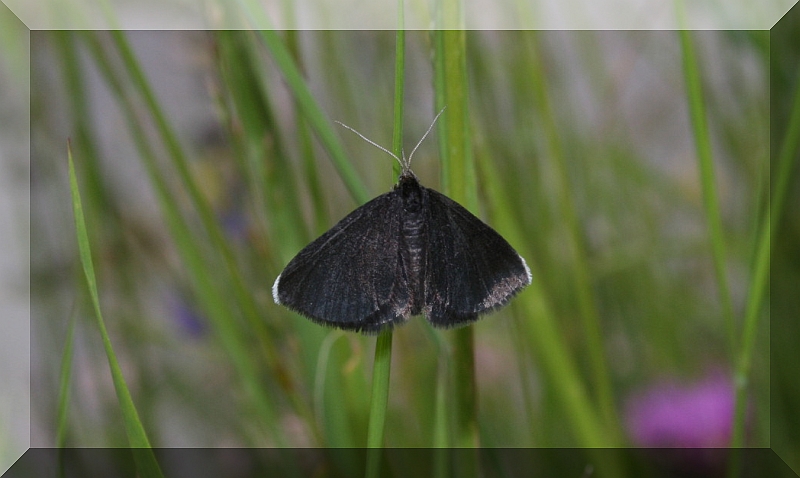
577,147
146,463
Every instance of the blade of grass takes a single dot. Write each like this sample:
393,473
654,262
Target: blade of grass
244,298
341,425
99,198
323,357
318,120
235,339
399,88
450,84
272,182
590,316
441,435
310,165
137,437
382,364
308,106
201,271
443,414
102,210
275,184
705,159
787,157
459,183
380,394
538,325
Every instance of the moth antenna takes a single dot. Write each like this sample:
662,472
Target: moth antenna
373,143
424,135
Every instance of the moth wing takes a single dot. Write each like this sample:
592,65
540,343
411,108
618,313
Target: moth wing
350,276
470,268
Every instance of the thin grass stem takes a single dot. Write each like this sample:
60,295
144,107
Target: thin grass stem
705,159
318,120
787,157
586,301
200,271
459,183
137,437
382,363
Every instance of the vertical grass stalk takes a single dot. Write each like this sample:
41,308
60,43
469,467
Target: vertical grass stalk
313,113
787,156
379,400
244,298
705,160
144,458
382,364
458,182
590,317
542,332
200,271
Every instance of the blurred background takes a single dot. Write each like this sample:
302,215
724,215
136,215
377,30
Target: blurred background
202,174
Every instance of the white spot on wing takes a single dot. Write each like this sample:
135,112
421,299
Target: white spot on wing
527,271
278,279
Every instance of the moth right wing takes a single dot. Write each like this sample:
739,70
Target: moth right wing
470,268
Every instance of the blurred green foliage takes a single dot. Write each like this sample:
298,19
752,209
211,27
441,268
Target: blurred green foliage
585,159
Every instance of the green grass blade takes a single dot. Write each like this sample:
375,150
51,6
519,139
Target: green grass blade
441,438
200,271
323,358
443,420
99,198
382,364
787,157
586,301
539,325
451,88
272,182
243,297
310,169
540,330
458,182
399,88
145,461
318,120
255,134
705,159
378,403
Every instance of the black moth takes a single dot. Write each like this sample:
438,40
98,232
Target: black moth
410,251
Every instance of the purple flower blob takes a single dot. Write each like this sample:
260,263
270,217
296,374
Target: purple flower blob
671,414
187,318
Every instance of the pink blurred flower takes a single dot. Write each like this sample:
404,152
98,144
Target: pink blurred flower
681,415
